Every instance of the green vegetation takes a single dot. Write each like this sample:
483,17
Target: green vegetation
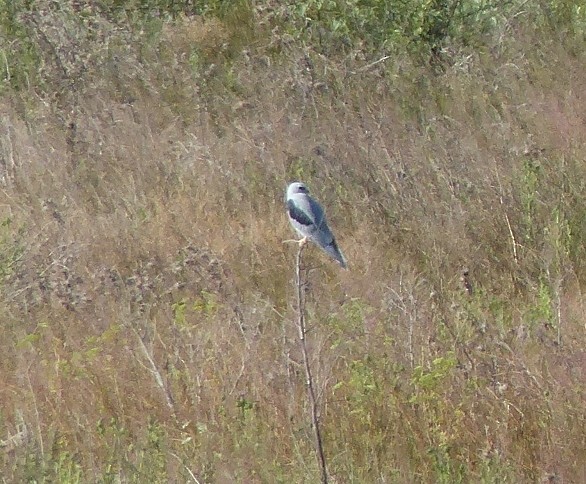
147,296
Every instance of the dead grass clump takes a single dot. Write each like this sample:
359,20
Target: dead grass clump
196,34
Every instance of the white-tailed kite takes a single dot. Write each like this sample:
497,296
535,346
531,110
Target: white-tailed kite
308,218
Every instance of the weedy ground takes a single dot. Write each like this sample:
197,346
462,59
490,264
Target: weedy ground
147,300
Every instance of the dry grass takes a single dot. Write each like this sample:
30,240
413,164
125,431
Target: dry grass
147,295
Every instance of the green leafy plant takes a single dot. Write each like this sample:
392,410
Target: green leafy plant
428,382
19,55
385,25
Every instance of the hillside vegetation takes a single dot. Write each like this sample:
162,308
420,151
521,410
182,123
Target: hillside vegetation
148,306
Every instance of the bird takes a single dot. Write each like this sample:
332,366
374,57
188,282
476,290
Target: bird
308,218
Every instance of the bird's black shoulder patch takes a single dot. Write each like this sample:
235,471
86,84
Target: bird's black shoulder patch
297,214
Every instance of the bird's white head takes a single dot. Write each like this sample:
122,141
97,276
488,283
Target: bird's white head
296,187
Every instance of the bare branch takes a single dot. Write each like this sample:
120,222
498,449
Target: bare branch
301,327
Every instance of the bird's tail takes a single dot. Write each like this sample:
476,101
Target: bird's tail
336,253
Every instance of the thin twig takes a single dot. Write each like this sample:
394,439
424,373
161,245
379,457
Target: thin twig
372,64
156,373
512,234
186,468
514,243
309,378
34,399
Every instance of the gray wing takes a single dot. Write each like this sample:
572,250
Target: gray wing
305,214
308,218
298,215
